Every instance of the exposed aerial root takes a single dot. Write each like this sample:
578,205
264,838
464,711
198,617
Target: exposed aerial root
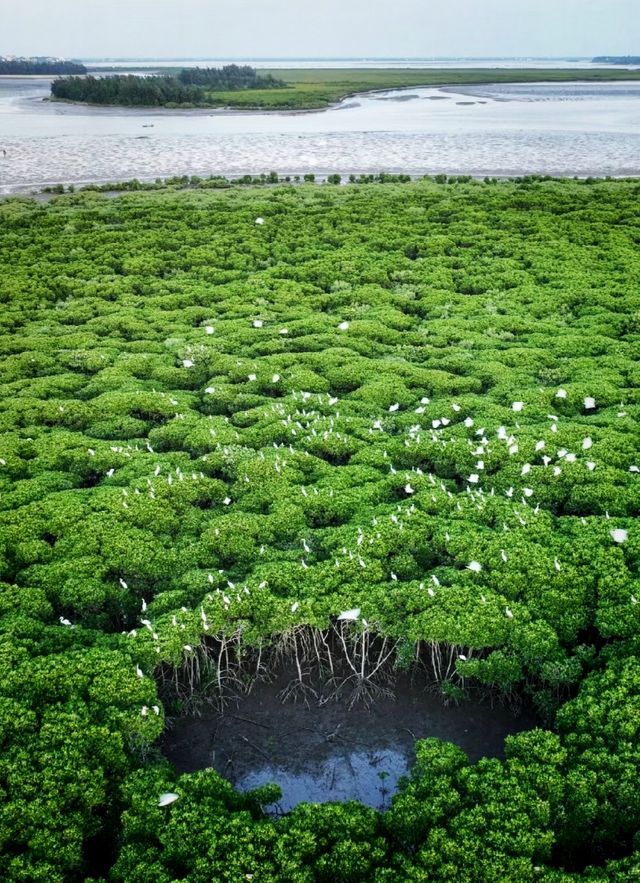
347,661
297,689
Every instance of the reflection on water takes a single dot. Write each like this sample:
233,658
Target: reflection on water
563,129
368,776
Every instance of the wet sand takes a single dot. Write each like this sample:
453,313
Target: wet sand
325,752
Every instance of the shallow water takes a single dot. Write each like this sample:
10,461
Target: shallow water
569,129
328,752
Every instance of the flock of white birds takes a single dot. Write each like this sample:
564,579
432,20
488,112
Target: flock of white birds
308,415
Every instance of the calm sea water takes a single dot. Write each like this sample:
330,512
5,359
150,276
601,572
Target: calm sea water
565,129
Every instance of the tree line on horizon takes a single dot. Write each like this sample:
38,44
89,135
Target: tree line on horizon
29,67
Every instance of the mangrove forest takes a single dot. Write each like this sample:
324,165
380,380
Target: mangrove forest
362,435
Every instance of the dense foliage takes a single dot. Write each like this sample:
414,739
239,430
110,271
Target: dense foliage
292,88
29,67
228,416
229,77
190,87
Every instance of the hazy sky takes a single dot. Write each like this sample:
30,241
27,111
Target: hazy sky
319,27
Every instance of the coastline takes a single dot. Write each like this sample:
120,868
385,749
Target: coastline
474,77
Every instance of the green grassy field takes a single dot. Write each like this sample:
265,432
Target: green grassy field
365,430
307,89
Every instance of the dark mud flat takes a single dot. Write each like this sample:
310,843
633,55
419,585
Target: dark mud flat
327,752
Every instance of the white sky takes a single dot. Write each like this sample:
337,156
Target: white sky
294,28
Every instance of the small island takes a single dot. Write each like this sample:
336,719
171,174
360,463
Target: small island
191,87
243,88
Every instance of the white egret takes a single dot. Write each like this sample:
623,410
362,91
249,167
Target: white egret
350,615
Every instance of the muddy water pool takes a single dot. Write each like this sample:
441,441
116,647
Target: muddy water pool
326,752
